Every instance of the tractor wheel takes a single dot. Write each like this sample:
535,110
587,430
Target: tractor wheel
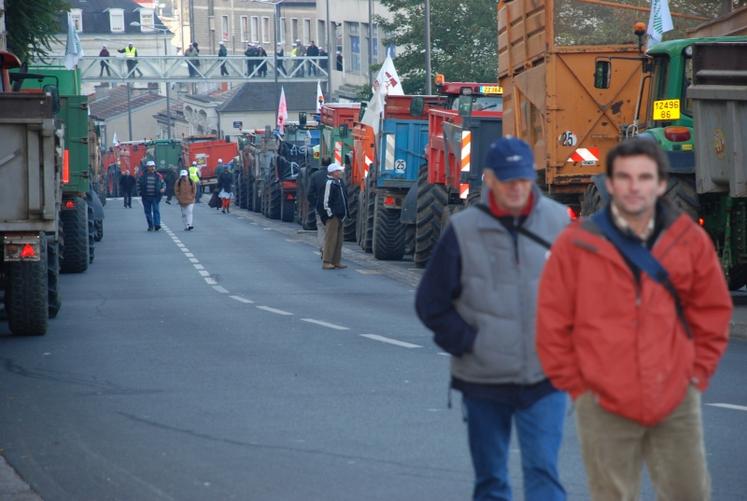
389,233
351,221
592,200
432,198
681,192
75,256
287,209
53,277
99,230
274,202
91,235
449,211
27,295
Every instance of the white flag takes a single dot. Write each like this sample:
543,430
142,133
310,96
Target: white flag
319,97
282,112
115,141
73,49
387,82
659,22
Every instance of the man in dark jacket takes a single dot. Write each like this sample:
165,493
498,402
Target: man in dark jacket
333,208
317,182
151,188
104,62
225,189
223,52
126,185
169,177
313,51
478,296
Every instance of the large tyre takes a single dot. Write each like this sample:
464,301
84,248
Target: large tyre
91,235
360,224
75,255
53,277
351,221
287,208
449,211
27,295
681,192
389,237
432,198
274,202
98,227
592,200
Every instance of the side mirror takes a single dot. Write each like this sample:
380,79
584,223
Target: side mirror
416,106
602,74
54,93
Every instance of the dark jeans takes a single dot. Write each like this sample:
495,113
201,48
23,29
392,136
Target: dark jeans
105,67
127,199
152,211
223,70
540,431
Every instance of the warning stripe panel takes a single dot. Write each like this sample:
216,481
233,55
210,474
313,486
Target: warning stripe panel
463,190
466,150
585,155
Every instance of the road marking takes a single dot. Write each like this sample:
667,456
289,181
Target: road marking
443,354
274,310
220,289
204,273
210,281
369,272
187,253
198,266
180,245
326,324
194,260
730,406
388,340
293,241
242,299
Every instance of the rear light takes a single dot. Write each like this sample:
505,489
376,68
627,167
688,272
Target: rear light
389,201
677,134
69,204
28,252
66,166
572,214
289,196
21,248
701,221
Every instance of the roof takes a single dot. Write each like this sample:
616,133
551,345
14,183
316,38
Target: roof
260,96
116,103
96,16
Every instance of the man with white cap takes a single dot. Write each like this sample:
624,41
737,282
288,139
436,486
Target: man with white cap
185,190
151,188
333,210
317,183
223,52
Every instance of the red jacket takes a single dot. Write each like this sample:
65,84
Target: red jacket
599,331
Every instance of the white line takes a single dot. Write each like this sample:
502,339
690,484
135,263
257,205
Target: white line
220,289
180,245
730,406
210,281
443,354
198,267
292,241
242,299
187,253
194,260
388,340
274,310
325,324
369,272
204,273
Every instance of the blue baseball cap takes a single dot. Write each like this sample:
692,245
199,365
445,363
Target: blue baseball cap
511,158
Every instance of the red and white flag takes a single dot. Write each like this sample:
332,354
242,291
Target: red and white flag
319,97
282,112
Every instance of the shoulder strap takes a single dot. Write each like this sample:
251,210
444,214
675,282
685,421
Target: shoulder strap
520,229
640,256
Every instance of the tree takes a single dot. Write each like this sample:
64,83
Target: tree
32,26
463,40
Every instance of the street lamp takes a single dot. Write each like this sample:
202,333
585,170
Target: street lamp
162,30
275,7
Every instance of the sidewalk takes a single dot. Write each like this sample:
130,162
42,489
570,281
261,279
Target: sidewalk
12,487
739,321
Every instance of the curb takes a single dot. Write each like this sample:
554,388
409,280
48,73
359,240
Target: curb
738,330
12,487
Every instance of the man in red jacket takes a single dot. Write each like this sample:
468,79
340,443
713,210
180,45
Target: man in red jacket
634,354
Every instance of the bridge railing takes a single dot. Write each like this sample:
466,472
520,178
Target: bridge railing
195,69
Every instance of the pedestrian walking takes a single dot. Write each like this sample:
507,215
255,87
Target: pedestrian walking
194,175
280,53
633,314
250,53
104,52
338,61
261,52
126,186
192,62
317,183
323,58
334,209
478,296
313,51
130,53
170,177
225,189
223,53
185,190
151,188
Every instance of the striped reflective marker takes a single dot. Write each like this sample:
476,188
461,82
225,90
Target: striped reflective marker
466,162
587,156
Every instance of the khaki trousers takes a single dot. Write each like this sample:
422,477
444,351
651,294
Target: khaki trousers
320,230
332,252
615,448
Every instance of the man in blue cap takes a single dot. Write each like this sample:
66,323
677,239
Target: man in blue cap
478,296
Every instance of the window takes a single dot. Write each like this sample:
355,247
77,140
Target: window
244,28
266,30
294,30
77,17
147,20
116,20
306,31
321,34
281,34
355,47
375,42
224,28
255,29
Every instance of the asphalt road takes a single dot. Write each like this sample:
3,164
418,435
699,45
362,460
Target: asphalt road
225,364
